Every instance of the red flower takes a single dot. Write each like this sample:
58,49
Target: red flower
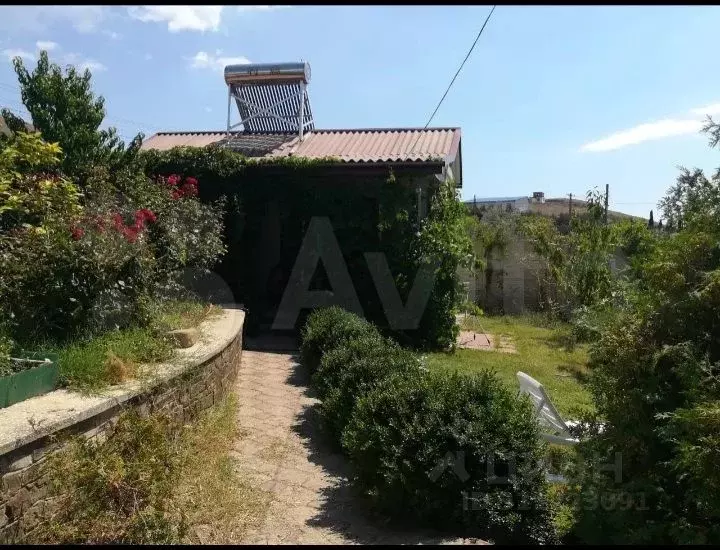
77,233
139,220
130,234
173,179
189,190
176,194
147,215
191,181
118,221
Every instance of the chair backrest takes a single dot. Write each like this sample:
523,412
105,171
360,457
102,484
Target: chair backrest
545,411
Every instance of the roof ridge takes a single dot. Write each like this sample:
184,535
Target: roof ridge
315,131
388,129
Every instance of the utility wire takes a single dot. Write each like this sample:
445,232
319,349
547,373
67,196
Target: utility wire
456,75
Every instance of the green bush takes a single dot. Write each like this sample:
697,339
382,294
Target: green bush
655,380
327,328
70,270
353,369
402,434
335,362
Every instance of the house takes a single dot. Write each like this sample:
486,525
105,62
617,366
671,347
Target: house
277,122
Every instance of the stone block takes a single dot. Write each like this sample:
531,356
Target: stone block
12,482
33,472
20,463
33,516
17,503
11,533
41,452
185,338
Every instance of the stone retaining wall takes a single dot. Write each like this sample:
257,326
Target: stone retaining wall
200,376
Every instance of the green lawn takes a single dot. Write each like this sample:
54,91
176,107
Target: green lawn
544,353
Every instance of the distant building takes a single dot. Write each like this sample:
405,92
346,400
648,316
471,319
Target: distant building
510,204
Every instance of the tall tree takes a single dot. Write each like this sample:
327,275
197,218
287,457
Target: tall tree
65,110
651,221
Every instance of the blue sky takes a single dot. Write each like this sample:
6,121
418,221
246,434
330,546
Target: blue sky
553,99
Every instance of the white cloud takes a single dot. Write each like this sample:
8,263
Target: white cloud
112,34
14,52
39,19
203,60
81,63
46,45
660,129
180,18
148,56
208,110
645,132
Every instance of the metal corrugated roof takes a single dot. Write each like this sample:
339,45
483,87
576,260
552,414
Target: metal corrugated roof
386,145
372,145
167,140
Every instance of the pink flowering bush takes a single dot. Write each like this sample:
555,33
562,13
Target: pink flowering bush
103,263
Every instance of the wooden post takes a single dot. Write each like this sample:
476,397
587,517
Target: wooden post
607,191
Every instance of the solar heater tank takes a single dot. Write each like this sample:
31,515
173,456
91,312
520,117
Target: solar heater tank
258,73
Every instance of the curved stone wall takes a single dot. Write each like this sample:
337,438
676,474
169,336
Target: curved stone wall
197,378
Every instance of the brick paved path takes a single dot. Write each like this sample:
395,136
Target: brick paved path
282,449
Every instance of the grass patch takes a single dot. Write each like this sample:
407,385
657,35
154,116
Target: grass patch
220,505
546,351
110,359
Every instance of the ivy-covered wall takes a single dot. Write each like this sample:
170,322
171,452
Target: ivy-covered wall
271,202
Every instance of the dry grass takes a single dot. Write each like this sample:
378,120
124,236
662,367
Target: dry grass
220,503
175,315
118,371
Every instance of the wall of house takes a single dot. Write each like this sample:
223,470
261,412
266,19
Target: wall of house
200,376
510,285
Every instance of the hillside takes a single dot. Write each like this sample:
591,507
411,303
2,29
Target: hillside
560,207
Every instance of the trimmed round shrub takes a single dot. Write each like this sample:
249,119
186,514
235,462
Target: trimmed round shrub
452,451
325,329
337,360
355,368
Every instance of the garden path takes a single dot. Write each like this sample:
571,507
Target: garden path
282,449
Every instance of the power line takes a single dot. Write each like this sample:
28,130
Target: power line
456,75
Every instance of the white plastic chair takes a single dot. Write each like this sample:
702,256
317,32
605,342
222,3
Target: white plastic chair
557,430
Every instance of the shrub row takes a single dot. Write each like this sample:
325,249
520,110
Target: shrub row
447,450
